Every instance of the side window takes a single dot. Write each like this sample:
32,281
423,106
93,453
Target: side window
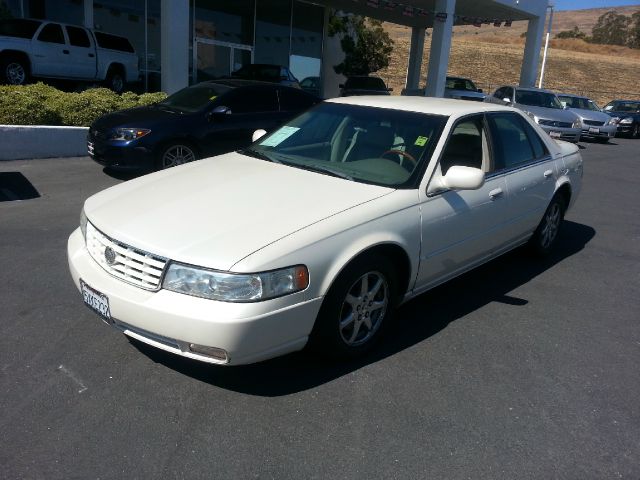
253,99
294,100
510,142
466,146
51,33
508,93
539,148
500,93
78,37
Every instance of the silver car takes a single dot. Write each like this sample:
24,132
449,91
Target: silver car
459,88
544,107
595,123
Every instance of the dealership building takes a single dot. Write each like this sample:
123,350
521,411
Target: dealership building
181,42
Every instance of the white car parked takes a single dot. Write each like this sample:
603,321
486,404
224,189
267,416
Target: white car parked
319,230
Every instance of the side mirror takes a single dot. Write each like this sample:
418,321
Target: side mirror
258,134
479,90
506,100
218,112
463,178
390,89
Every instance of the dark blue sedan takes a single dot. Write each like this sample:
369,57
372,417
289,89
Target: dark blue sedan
206,119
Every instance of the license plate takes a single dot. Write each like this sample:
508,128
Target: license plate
90,148
96,301
594,130
555,134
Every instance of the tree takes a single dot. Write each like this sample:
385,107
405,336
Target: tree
367,47
574,33
611,29
634,31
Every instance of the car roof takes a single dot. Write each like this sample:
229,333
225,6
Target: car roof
625,101
237,82
430,105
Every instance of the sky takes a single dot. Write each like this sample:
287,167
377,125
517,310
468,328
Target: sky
582,4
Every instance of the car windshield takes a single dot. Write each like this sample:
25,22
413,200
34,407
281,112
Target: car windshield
365,83
195,98
537,99
19,28
623,107
364,144
454,83
579,102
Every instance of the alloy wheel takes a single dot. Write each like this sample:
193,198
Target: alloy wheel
551,225
364,309
15,73
177,155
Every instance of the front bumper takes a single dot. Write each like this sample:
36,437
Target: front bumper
120,155
605,131
563,133
624,128
248,332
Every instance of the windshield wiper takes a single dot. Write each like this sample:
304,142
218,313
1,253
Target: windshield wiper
250,152
326,170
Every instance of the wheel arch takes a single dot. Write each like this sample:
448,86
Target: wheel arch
4,54
564,190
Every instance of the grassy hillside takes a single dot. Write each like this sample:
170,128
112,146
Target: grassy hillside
494,56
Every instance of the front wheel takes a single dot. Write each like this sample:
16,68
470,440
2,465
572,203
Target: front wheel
356,309
175,154
545,236
636,131
14,71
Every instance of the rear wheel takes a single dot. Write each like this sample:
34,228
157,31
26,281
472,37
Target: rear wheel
545,236
175,154
14,71
115,80
356,309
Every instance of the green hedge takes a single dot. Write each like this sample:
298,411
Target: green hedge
40,104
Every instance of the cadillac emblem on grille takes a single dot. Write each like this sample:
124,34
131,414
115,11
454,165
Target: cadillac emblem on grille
110,255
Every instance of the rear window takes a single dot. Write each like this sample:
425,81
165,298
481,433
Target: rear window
365,83
113,42
19,28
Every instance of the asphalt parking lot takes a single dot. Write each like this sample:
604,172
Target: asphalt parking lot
520,369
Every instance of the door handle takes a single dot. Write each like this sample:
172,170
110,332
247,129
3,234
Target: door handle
66,52
495,193
548,173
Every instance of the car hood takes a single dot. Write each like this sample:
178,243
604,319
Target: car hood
549,113
139,117
613,113
591,115
464,93
215,212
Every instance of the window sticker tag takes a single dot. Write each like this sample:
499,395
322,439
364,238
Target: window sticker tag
279,136
213,97
421,141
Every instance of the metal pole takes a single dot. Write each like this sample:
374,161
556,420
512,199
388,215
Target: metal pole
546,46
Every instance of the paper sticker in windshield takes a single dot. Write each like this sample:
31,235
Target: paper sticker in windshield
213,97
279,136
421,141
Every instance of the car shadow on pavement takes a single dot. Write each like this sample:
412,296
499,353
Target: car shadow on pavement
15,186
123,174
301,371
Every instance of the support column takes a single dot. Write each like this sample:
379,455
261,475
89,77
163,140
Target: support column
529,70
88,13
174,45
440,49
415,58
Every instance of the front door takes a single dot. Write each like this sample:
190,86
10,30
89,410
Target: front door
51,54
214,59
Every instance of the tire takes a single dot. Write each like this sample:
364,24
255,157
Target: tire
546,235
602,139
635,133
356,309
175,154
14,71
115,80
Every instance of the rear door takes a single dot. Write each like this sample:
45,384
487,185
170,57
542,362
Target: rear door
82,53
51,53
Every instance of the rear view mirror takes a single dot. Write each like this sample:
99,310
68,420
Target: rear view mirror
463,178
258,134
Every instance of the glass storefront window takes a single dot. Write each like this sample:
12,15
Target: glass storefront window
273,32
66,11
12,8
229,21
306,41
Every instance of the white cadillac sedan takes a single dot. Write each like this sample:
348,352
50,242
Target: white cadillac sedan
319,230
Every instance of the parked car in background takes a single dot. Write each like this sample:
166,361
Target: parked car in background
311,85
363,85
41,49
199,121
545,109
318,231
595,123
627,113
455,87
265,72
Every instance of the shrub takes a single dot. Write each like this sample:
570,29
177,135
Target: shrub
40,104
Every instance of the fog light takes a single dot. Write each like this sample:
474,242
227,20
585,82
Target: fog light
213,352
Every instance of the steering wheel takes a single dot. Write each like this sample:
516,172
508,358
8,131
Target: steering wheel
403,154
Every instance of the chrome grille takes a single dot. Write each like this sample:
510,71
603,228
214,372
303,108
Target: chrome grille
129,264
593,123
553,123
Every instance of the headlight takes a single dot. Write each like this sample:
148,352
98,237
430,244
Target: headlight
577,124
627,120
128,134
235,287
613,121
83,224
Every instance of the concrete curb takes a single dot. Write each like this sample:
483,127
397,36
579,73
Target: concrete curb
19,142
